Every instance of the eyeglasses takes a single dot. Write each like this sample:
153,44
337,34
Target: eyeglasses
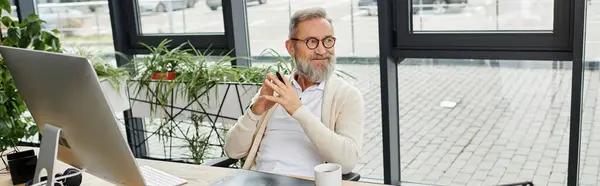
313,43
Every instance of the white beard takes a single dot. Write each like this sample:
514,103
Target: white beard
307,70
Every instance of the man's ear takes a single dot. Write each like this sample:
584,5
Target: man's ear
289,45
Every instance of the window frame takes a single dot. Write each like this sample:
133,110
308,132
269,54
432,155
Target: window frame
216,42
127,37
567,43
542,45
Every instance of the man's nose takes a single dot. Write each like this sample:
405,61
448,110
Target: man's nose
321,50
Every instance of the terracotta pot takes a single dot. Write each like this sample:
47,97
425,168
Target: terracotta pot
161,76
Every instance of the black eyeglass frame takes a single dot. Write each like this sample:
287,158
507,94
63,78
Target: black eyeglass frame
318,43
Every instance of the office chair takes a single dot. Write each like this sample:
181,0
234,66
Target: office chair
226,162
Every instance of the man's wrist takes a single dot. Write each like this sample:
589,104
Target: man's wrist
253,116
294,108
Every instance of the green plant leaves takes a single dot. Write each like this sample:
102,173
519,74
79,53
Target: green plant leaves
34,28
33,17
5,5
24,41
39,44
51,41
14,34
24,23
55,31
6,20
12,107
25,33
103,67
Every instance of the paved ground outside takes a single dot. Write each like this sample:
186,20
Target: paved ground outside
509,125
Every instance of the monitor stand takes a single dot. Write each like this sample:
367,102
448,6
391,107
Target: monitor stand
48,154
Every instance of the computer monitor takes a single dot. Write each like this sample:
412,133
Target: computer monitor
64,91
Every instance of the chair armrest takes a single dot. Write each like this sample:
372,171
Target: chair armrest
351,176
220,162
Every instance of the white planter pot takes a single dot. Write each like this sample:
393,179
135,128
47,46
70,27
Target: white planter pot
143,101
182,108
117,98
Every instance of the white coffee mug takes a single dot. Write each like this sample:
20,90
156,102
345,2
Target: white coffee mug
328,174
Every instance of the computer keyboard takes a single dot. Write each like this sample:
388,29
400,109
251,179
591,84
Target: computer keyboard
154,177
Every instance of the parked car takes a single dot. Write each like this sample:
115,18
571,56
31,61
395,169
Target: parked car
84,9
65,19
214,4
368,5
438,6
163,5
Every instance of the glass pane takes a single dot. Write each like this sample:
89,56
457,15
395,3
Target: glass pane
484,122
184,132
593,31
84,26
482,15
590,133
365,77
180,16
356,31
356,48
367,80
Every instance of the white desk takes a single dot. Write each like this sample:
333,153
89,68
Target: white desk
195,174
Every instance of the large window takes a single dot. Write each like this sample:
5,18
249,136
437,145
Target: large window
480,29
482,15
357,44
485,90
83,26
152,22
590,135
484,122
365,72
180,16
593,31
355,28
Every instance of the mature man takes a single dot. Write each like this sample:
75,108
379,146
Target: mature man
309,118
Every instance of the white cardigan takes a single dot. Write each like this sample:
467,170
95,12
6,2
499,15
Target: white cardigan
343,111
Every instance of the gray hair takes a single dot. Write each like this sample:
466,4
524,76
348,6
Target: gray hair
306,14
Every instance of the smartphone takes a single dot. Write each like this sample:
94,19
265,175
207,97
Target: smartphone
280,78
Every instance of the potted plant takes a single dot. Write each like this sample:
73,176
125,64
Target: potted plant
204,86
15,125
15,122
164,63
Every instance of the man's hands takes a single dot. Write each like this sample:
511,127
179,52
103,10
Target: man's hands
261,104
287,96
